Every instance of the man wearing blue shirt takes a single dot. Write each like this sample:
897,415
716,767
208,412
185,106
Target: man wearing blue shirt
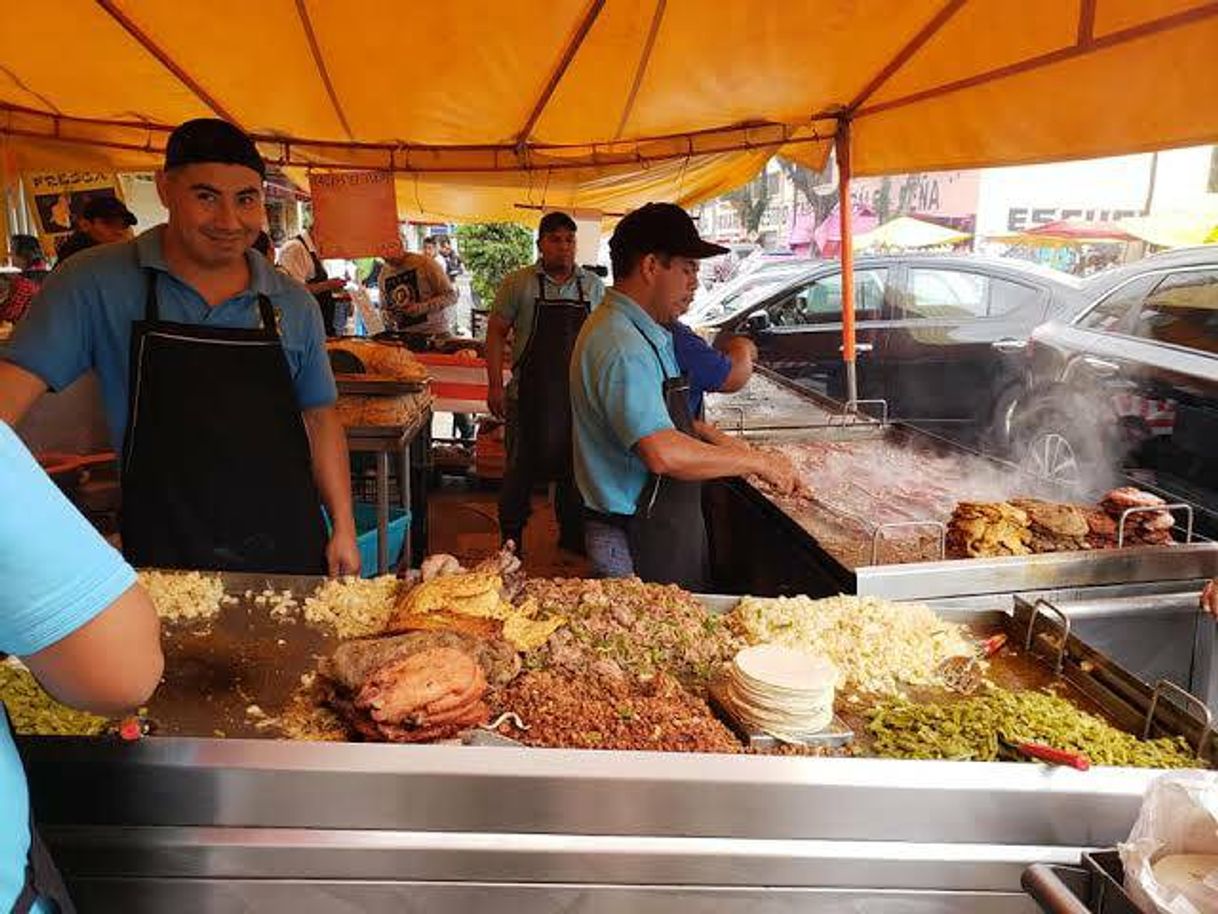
640,457
71,609
214,374
709,370
543,306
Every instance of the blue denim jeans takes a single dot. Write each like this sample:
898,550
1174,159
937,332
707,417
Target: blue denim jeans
608,550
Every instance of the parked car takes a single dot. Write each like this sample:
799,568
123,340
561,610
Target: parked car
940,337
1126,391
724,299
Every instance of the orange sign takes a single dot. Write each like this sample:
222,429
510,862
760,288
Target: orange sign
355,214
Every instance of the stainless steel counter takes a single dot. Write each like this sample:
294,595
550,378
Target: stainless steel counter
211,825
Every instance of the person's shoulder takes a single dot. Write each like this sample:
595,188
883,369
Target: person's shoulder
521,276
286,293
103,267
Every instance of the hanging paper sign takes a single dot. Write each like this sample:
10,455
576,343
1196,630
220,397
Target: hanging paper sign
355,214
60,196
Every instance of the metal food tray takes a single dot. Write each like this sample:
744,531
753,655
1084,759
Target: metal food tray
364,386
1095,887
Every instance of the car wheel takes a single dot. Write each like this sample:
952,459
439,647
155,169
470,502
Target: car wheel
1051,455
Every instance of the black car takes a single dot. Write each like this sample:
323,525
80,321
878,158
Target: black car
940,337
1126,392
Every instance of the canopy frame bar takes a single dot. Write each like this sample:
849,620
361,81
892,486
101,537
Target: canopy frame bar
1040,61
903,56
641,70
145,41
573,46
302,13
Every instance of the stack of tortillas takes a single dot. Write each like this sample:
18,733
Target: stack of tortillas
782,691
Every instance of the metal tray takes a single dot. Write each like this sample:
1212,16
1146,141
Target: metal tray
365,386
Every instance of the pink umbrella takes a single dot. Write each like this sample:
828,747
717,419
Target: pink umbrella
828,235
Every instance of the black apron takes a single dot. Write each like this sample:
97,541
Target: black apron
543,383
42,877
217,472
667,532
325,300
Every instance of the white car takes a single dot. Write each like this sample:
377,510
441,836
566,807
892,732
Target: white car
739,292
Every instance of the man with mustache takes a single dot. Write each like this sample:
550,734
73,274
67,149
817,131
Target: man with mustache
217,388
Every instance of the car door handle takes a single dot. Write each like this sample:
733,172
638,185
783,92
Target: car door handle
1009,344
1101,366
858,347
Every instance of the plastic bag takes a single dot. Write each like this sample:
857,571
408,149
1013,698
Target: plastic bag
1179,816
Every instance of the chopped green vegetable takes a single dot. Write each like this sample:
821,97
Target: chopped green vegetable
34,712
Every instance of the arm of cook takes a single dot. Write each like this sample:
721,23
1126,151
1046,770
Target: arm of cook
70,606
316,394
504,314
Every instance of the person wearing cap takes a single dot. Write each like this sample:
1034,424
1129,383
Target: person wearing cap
214,376
640,457
543,306
102,220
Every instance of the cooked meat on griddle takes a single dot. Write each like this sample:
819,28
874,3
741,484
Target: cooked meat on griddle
987,528
1130,497
416,687
443,620
1142,528
587,711
354,661
1054,526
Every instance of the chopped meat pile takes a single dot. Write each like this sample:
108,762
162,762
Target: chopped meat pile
587,711
628,627
416,687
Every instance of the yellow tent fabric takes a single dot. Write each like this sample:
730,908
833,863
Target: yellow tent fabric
484,106
1175,229
907,232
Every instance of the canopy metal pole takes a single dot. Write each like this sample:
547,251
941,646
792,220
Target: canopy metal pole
847,259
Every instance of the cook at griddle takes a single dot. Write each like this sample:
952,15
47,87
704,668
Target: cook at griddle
217,388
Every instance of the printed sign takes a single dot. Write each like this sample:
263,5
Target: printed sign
355,214
59,197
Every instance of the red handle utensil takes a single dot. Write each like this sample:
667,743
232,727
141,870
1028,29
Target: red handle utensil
1064,757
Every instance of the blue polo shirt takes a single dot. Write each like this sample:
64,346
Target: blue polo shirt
85,309
617,398
516,298
58,574
705,365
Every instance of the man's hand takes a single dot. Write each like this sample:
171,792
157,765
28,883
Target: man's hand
779,472
1209,597
742,346
342,554
496,401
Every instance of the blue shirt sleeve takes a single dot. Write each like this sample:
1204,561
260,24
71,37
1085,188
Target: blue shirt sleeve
54,341
58,572
314,379
706,366
596,291
630,397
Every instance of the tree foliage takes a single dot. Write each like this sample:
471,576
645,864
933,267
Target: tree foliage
490,251
750,202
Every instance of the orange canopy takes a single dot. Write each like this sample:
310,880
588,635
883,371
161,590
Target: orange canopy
481,107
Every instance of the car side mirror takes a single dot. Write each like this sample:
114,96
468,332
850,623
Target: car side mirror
757,323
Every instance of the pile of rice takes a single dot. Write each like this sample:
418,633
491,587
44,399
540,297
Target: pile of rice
353,606
185,595
878,646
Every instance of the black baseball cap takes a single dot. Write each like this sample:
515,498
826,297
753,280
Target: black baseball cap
107,207
661,228
555,222
208,139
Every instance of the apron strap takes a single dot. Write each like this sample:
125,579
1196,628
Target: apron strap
152,310
268,316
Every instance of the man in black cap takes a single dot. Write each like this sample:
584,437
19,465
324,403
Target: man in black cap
214,376
640,457
541,307
102,220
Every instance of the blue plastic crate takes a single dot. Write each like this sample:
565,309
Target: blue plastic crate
365,536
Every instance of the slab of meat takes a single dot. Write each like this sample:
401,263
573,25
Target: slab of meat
354,661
